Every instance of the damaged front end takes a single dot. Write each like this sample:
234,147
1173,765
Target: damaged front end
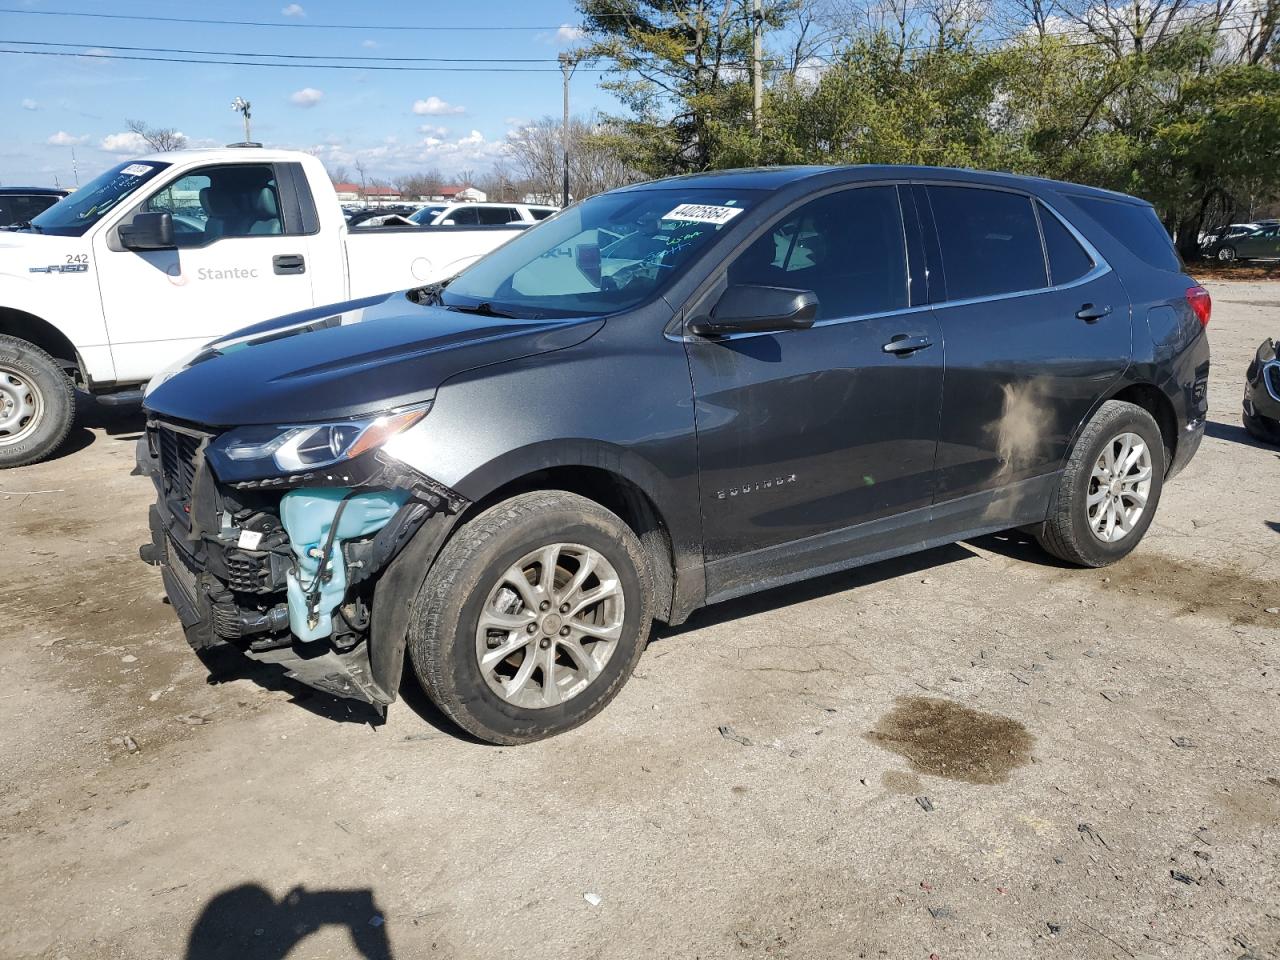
290,544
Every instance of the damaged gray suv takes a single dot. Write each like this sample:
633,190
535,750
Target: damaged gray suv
668,396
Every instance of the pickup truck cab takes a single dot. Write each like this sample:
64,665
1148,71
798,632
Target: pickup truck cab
667,396
163,253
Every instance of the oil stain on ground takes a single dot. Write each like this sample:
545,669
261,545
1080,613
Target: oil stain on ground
1225,593
944,739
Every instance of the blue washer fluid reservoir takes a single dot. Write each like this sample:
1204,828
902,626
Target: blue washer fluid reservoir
307,516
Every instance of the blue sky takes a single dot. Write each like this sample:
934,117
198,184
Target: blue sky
395,123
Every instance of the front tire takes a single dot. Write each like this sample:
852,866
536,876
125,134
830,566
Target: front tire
532,618
1226,254
1261,428
1109,490
37,403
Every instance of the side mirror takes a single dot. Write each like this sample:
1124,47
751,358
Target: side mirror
148,231
747,308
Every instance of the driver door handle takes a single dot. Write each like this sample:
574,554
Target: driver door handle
289,263
1091,314
903,345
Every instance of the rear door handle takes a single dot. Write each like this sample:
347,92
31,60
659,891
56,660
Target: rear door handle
903,345
289,263
1091,314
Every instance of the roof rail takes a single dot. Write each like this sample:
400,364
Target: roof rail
244,143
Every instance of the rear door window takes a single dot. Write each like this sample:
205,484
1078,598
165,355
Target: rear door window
491,216
990,242
1137,227
846,247
1067,259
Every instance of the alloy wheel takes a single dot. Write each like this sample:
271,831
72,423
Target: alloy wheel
549,625
1119,487
20,405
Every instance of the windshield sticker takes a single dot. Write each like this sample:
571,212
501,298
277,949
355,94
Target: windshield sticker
136,170
703,213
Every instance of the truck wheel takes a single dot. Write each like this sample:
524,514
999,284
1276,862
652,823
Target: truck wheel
532,618
37,403
1109,489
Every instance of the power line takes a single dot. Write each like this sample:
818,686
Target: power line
296,25
287,66
279,56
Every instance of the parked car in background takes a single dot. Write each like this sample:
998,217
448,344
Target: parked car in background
161,254
666,396
1260,243
472,214
20,205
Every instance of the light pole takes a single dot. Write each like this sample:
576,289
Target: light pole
241,106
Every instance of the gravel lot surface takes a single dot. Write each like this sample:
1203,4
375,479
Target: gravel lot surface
973,752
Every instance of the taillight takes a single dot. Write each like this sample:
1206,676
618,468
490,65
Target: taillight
1201,303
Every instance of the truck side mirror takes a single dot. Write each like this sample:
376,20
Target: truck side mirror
148,231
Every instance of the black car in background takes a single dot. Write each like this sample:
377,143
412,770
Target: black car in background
20,205
667,396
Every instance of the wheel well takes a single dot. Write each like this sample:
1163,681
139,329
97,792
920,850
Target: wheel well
41,333
616,494
1161,409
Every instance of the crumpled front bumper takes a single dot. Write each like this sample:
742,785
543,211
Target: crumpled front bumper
1262,383
205,580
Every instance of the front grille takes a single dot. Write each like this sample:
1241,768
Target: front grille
177,451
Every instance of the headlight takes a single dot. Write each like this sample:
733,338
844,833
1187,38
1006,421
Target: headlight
254,452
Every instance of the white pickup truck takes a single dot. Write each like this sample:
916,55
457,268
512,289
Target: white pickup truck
161,254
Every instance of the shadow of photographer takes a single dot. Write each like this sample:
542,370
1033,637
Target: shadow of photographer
246,922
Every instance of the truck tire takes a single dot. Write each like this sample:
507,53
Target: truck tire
532,618
1109,490
37,403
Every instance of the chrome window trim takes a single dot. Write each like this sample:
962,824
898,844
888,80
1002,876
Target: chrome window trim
1100,269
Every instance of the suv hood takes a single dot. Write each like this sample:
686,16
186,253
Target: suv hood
346,360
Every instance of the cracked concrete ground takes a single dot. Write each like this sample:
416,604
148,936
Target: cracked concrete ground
1125,802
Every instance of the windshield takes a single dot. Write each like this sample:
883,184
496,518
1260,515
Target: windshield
607,254
75,214
426,215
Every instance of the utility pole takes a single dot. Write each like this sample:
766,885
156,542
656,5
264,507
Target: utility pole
241,106
757,54
567,63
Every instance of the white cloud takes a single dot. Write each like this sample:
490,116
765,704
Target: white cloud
126,142
64,139
569,34
430,130
389,159
293,10
306,97
29,104
369,44
435,107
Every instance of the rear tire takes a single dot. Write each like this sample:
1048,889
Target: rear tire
37,403
1099,513
472,607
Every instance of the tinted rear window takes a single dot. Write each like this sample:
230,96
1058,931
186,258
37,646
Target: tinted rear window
1137,227
1067,259
990,242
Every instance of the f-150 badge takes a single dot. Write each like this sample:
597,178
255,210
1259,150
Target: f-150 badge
61,268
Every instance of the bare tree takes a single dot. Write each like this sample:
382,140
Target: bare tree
423,184
339,174
160,139
597,161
